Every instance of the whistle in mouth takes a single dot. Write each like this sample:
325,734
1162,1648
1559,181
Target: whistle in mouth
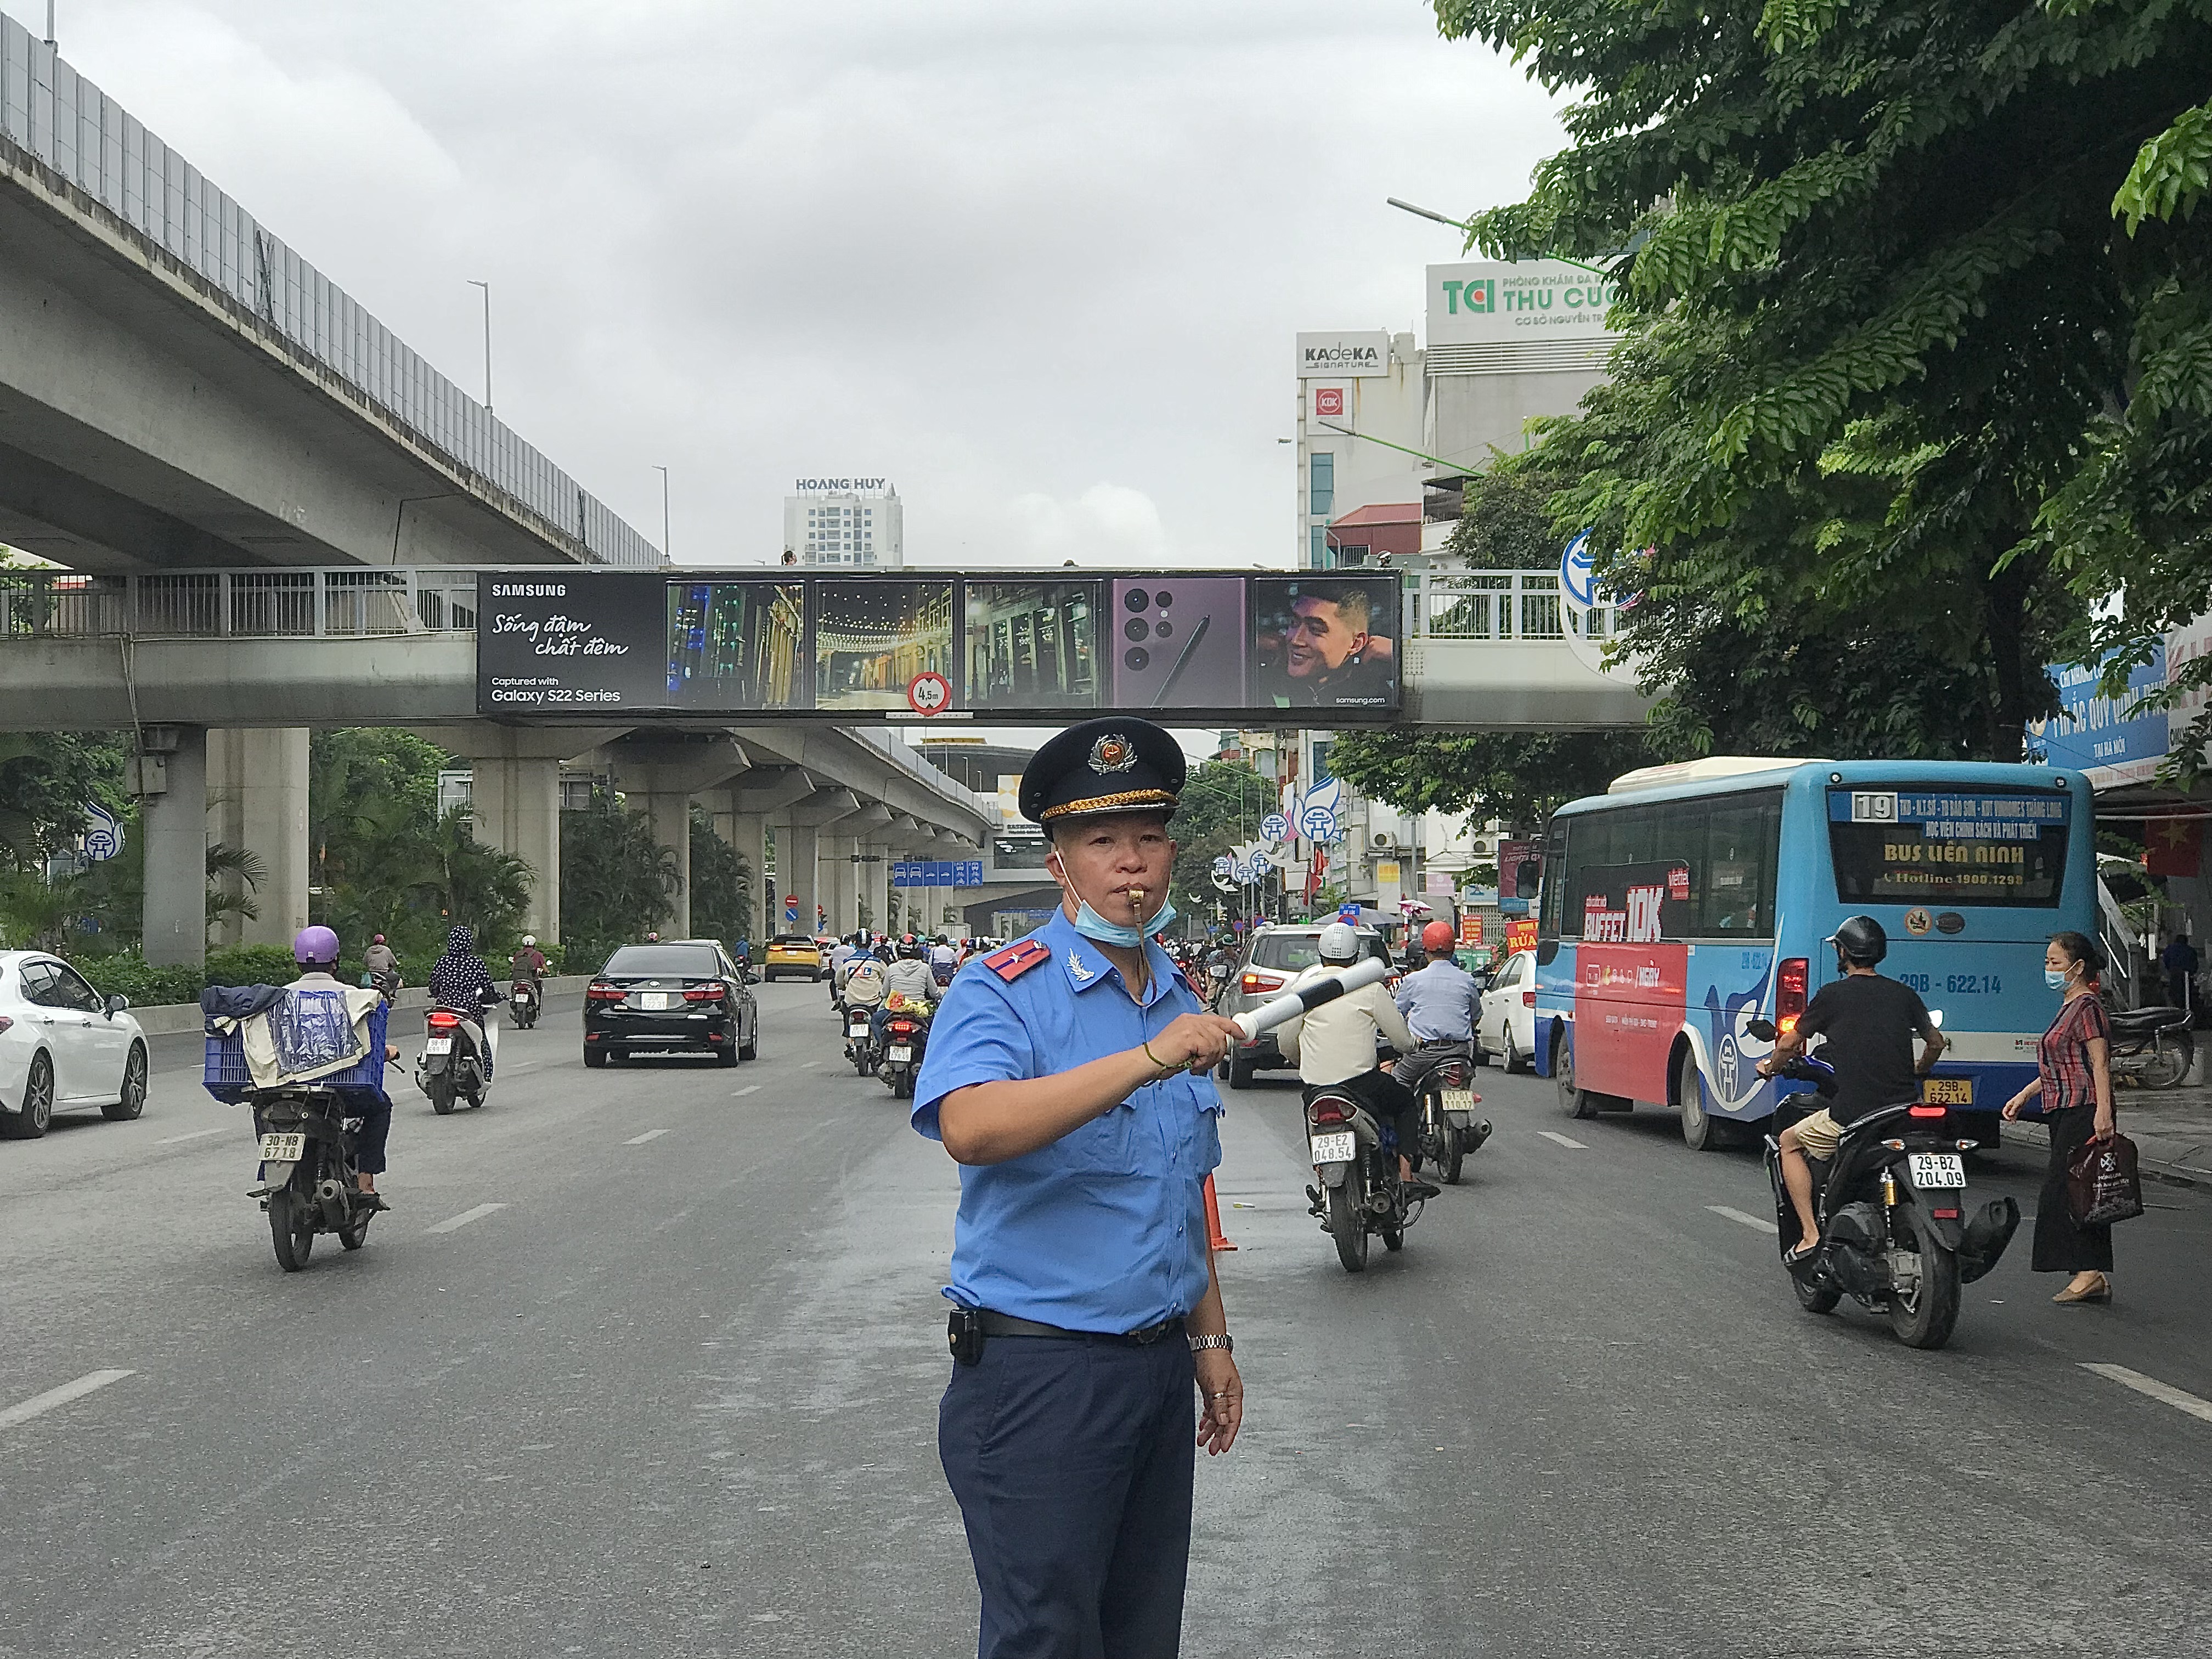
1136,895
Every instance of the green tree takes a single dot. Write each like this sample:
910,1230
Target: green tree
1876,301
1486,774
1222,804
722,884
616,883
463,880
46,780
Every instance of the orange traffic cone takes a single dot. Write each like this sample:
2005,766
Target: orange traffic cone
1215,1238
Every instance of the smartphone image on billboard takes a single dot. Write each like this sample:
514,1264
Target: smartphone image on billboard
1176,642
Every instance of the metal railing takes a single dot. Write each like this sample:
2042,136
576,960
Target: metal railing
1498,605
52,114
346,603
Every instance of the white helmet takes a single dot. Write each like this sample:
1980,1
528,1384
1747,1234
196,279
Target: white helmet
531,939
1339,944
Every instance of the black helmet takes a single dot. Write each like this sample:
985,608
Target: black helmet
1861,941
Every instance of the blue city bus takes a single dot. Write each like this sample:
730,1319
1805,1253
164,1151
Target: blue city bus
1691,900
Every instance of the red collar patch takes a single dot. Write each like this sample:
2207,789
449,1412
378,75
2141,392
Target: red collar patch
1010,962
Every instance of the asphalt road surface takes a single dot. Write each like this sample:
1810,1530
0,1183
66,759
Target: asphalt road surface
646,1362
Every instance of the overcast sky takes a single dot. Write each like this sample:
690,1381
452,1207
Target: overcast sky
1038,264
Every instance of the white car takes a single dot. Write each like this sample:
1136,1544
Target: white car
62,1046
1506,1028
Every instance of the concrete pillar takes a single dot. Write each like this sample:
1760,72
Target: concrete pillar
748,833
798,850
669,813
257,803
515,805
843,884
175,828
875,882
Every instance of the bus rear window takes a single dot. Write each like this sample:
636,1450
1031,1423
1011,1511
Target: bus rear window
1948,847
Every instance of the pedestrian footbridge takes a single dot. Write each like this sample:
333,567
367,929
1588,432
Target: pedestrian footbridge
1485,650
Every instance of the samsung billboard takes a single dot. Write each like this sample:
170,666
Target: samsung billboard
1013,648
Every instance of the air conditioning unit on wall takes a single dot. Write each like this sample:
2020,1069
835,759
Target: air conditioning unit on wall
1381,841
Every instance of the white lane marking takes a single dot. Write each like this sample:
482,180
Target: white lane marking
808,1064
749,1089
196,1134
39,1404
464,1217
639,1140
2165,1392
1563,1140
1747,1220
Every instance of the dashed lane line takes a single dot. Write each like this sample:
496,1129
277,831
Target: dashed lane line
1747,1220
1563,1140
749,1089
464,1217
39,1404
2164,1393
196,1134
639,1140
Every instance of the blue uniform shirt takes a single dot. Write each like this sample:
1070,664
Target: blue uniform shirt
1105,1229
1439,1002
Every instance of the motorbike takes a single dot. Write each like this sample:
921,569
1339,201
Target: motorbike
2152,1048
1437,1076
859,1039
1356,1158
308,1183
522,1003
451,1072
906,1038
1892,1205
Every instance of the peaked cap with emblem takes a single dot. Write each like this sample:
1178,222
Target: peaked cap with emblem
1112,765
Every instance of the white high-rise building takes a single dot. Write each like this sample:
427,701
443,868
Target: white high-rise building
845,521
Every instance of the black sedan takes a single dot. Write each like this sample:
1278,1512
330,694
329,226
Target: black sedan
679,996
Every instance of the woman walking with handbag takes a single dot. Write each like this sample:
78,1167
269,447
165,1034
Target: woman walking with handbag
2074,1062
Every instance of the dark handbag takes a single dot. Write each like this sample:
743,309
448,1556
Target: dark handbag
2103,1184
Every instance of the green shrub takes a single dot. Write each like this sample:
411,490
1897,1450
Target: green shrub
252,964
148,986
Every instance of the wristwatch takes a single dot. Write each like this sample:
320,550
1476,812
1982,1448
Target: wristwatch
1226,1343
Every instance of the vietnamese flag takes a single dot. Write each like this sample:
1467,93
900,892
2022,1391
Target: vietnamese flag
2176,848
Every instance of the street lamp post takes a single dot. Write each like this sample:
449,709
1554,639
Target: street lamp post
662,472
486,287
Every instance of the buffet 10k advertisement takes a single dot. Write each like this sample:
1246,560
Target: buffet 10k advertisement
1013,647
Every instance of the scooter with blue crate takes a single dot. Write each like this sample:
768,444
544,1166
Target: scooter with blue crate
306,1133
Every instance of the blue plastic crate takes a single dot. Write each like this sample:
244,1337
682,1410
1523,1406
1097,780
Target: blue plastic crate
226,1078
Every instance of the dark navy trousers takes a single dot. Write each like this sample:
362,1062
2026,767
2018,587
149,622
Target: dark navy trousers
1071,1462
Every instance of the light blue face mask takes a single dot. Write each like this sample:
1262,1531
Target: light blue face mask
1093,926
2055,978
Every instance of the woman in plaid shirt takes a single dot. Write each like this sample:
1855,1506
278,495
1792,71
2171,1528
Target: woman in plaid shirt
2074,1078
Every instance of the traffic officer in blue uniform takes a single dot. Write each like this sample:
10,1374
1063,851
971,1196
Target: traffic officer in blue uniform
1068,1074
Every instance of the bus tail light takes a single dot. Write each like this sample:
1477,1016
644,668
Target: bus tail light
1790,979
1528,998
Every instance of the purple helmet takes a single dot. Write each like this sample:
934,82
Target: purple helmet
315,947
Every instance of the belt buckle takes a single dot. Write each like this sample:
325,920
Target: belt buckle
1151,1333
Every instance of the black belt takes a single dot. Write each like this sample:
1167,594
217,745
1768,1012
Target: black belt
999,1324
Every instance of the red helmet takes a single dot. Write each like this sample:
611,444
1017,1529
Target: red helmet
1437,936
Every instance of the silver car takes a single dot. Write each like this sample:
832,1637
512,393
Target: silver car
1275,956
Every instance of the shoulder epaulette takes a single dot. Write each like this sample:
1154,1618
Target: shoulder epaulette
1010,962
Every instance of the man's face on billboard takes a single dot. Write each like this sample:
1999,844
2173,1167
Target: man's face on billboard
1320,640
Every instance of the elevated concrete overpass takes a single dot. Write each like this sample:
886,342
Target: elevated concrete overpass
179,388
228,668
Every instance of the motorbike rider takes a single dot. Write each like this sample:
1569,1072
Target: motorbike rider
382,967
1868,1022
460,983
1335,1047
1439,1002
529,961
909,980
316,951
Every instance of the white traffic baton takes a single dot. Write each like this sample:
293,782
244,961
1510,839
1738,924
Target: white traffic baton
1367,971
